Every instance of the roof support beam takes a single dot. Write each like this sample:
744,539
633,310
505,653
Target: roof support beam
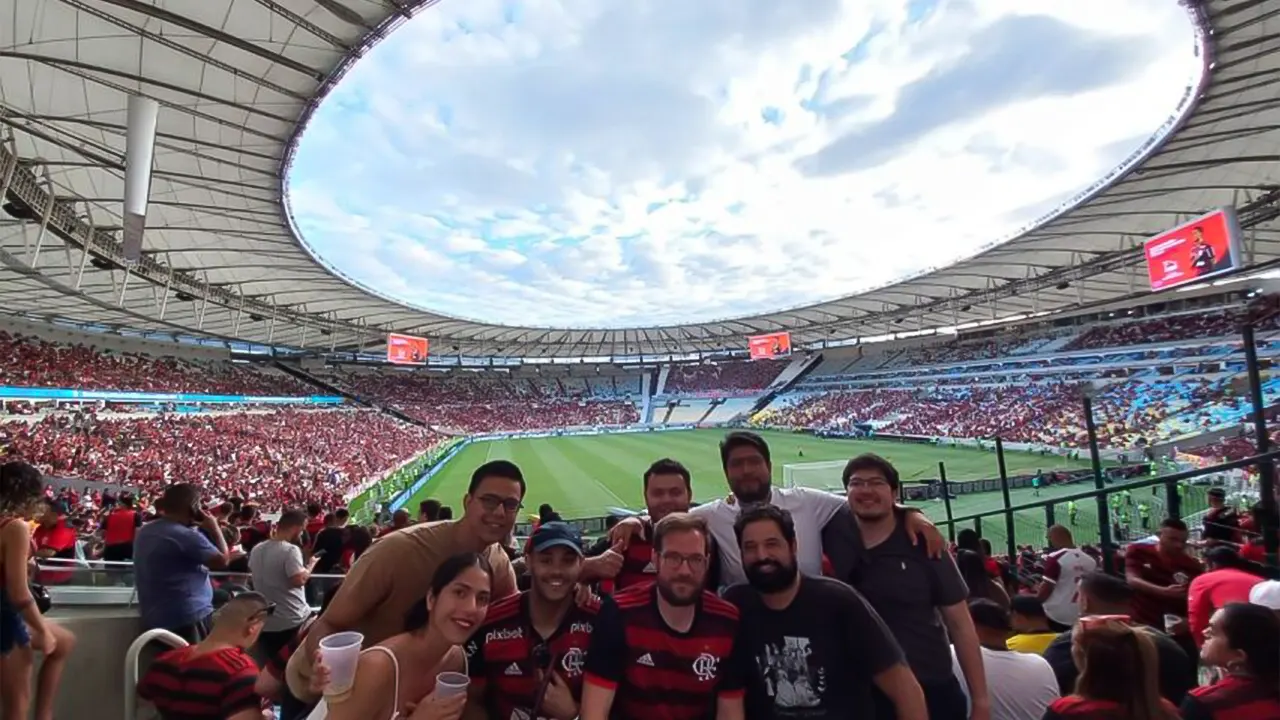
171,17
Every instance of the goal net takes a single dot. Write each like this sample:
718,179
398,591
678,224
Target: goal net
816,475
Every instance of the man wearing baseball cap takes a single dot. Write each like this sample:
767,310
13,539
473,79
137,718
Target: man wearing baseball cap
527,659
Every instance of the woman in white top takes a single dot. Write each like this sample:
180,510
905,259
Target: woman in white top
396,678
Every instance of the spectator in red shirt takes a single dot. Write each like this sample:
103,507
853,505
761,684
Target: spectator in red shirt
1244,640
1160,575
54,540
1228,580
119,528
213,679
668,649
315,523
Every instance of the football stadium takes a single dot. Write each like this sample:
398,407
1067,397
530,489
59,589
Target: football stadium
332,325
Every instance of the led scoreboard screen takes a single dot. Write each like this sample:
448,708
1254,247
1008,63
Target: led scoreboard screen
406,349
767,347
1202,248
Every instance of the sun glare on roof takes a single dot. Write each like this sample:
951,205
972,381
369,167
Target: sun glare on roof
589,164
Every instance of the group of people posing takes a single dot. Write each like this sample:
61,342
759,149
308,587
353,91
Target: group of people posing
769,603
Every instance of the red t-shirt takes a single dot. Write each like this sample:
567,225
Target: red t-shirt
1232,698
1212,591
62,541
314,526
1148,563
1074,707
1254,550
120,526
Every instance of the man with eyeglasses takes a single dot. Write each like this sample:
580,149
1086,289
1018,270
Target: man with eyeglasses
394,574
748,468
668,488
668,649
921,599
527,659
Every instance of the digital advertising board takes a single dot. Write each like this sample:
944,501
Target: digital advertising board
406,349
1206,247
767,347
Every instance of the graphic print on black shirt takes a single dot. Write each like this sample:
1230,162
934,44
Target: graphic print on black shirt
816,659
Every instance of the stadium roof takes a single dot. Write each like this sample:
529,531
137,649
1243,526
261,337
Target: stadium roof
237,79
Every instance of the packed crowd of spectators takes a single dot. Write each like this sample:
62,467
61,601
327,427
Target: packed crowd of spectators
736,375
543,414
1163,628
1157,330
272,458
1126,413
31,362
466,405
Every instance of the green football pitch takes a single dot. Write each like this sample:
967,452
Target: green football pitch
584,476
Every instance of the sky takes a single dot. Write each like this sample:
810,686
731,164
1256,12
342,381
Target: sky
577,163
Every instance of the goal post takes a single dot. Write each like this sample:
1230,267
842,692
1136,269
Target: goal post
816,475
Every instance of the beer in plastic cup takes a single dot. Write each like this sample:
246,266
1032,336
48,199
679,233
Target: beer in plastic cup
449,684
1170,621
340,653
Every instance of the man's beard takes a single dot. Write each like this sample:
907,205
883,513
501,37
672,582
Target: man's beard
669,594
758,496
773,581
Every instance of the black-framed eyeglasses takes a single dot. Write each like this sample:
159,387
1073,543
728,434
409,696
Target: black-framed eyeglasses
673,561
493,502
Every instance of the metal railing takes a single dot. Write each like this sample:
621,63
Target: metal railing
1098,519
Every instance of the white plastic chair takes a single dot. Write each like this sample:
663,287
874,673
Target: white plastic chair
131,658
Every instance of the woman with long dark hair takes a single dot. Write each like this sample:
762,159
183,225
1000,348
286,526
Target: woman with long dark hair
1118,678
1243,640
23,630
396,678
982,586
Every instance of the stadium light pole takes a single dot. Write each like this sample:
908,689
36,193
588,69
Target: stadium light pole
1008,502
1266,470
946,500
1104,515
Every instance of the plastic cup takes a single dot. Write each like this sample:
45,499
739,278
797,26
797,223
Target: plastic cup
449,684
340,653
1170,621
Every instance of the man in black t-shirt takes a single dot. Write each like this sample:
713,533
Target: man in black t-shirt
817,646
1221,523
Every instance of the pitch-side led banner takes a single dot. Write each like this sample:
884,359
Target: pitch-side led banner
1205,247
766,347
406,349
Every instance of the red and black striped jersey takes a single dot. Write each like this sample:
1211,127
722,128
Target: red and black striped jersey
212,686
658,673
1233,698
1074,707
637,563
503,655
276,664
638,566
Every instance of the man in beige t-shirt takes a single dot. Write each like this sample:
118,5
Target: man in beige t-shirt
395,573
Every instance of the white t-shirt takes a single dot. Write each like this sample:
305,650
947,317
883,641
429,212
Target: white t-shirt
1064,568
810,509
1021,686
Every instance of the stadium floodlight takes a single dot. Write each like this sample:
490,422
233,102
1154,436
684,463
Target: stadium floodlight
140,140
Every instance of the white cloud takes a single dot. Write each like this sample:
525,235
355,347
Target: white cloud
578,163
